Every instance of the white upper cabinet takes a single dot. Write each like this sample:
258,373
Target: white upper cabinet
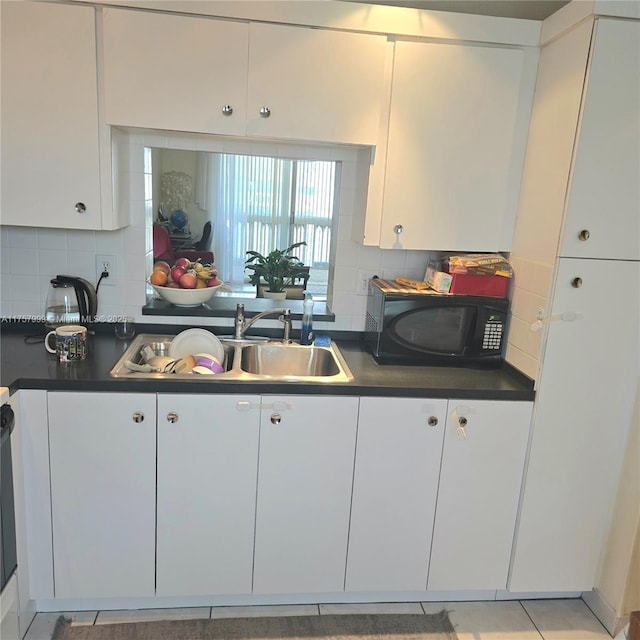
312,84
174,72
457,131
51,148
219,76
603,209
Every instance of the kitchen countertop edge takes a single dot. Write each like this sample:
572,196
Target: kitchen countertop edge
28,366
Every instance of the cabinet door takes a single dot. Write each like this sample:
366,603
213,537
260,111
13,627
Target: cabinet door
604,197
318,85
398,454
480,480
307,446
207,468
584,407
50,135
103,475
174,72
457,133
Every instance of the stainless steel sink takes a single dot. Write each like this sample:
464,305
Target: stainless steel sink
279,359
246,360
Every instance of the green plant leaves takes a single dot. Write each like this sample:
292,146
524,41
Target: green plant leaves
277,268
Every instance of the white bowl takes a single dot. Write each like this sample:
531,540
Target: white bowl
185,297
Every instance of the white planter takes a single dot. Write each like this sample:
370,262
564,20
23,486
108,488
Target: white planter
280,295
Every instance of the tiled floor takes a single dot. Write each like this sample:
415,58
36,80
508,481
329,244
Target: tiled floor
501,620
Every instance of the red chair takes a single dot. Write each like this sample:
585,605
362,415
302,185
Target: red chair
204,256
162,249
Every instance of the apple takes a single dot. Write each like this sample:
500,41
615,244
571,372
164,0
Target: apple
162,266
213,282
189,281
184,263
177,273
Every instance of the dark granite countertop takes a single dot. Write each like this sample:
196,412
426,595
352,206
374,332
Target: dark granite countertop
25,364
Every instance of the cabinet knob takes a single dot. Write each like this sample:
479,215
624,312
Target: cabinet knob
80,207
265,112
227,110
461,432
584,235
576,283
432,421
276,418
138,416
398,229
172,417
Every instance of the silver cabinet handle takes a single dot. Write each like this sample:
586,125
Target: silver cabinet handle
398,229
172,417
265,112
138,416
276,418
80,207
227,110
584,235
576,283
432,421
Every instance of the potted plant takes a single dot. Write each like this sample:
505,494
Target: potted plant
277,269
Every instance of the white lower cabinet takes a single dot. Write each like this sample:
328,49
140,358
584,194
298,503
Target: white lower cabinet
103,475
397,467
307,447
186,495
207,467
485,445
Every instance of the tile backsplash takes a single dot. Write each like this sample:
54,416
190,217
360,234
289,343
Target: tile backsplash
30,257
530,296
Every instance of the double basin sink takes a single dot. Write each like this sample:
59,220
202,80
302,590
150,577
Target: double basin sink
250,359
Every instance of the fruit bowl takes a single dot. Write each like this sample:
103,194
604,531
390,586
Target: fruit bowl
185,297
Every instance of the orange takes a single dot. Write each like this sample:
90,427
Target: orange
158,277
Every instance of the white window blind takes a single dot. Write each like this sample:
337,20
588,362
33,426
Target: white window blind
264,203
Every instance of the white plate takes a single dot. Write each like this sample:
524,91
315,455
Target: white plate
192,341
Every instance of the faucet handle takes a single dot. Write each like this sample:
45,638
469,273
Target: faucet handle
238,322
286,319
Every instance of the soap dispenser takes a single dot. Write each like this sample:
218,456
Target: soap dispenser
306,334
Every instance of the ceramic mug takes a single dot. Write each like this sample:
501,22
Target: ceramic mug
70,342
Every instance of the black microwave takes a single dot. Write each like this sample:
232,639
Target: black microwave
406,326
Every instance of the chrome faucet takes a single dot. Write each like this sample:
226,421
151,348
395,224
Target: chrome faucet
241,325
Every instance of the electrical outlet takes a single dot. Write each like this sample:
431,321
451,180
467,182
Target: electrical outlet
106,263
363,282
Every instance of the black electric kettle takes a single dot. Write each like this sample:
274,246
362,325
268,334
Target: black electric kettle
70,300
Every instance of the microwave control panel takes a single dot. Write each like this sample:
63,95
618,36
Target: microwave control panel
492,338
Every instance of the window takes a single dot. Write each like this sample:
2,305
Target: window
267,203
260,203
